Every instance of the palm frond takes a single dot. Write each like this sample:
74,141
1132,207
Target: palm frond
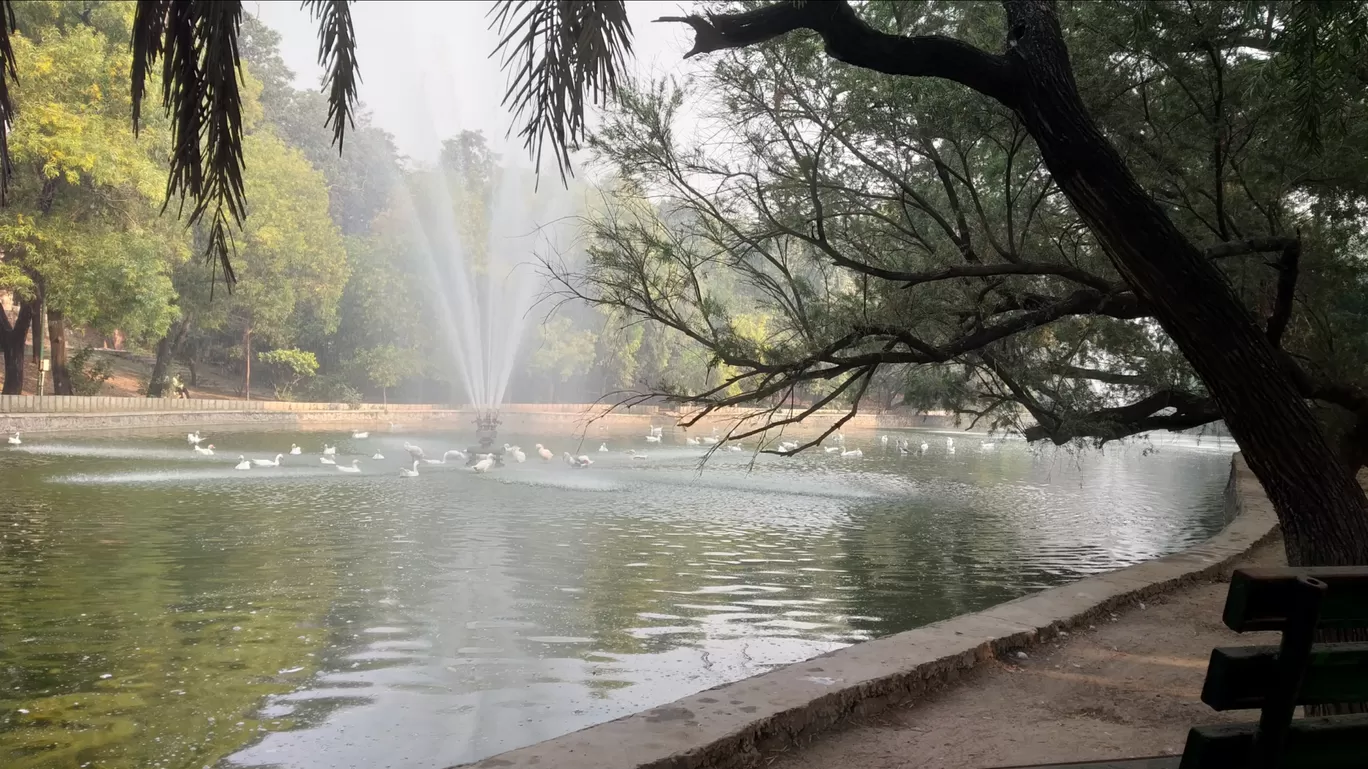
7,73
557,52
337,56
198,45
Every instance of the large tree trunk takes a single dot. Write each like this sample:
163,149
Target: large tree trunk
1322,509
167,348
247,364
57,341
12,338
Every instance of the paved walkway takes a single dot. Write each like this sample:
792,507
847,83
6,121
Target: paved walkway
1123,688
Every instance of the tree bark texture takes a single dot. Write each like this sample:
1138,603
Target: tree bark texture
13,335
57,343
166,353
1322,509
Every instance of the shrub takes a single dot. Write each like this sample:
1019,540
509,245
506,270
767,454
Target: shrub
88,377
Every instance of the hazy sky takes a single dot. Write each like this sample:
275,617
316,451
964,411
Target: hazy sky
425,66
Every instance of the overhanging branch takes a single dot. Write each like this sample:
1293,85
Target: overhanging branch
849,39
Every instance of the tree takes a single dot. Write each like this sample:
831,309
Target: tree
291,366
386,366
564,353
1321,507
291,260
82,235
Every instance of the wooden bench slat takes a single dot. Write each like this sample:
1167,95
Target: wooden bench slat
1259,597
1239,677
1333,742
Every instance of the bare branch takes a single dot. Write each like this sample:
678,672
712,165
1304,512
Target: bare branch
849,39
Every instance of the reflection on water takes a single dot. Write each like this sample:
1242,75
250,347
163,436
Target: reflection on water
160,609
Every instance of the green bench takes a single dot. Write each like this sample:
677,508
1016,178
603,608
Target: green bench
1276,679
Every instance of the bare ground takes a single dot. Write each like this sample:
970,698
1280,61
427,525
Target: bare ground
1121,689
131,371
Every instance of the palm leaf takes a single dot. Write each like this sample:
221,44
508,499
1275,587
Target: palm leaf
197,43
555,53
337,56
7,72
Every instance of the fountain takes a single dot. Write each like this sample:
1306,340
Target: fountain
482,274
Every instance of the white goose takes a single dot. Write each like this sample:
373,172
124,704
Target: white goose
354,468
653,438
788,446
831,449
853,453
603,448
414,451
358,434
733,447
327,460
513,451
708,440
925,446
269,462
329,451
193,438
404,472
14,440
295,450
209,452
579,463
483,465
377,455
692,441
242,464
461,455
883,440
544,453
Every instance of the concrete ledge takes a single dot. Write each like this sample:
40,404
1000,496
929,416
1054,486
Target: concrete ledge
735,724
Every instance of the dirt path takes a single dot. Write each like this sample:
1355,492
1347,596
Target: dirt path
1122,689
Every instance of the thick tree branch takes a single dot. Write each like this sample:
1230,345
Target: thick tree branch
1142,416
849,39
1249,246
1287,290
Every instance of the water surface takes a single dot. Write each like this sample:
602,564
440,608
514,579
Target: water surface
160,609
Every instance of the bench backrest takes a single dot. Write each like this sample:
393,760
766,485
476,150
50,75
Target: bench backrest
1301,603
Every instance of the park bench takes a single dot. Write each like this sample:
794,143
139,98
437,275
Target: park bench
1276,679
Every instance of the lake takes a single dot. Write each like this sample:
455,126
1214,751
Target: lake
161,609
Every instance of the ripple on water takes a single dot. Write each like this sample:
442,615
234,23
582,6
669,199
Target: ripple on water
368,621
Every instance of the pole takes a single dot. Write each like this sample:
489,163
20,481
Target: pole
39,332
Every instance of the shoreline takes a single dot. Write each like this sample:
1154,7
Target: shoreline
740,723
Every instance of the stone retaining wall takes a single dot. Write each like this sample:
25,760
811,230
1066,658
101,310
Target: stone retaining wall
734,725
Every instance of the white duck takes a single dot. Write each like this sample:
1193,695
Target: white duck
883,440
404,472
653,438
902,450
544,453
853,453
656,431
354,468
269,462
14,440
733,447
603,448
483,465
513,451
692,441
461,455
327,460
831,449
925,446
377,455
209,452
708,440
788,446
329,451
242,464
949,443
358,434
193,438
414,451
295,450
579,463
987,446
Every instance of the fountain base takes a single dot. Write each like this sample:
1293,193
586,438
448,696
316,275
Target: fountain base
486,431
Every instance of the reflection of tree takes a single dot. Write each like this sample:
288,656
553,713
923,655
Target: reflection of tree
162,609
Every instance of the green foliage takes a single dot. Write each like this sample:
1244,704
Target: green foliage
564,352
290,366
87,376
386,366
333,388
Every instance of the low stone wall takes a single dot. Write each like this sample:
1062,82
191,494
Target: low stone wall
734,725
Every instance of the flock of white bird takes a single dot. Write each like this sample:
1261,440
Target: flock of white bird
485,462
